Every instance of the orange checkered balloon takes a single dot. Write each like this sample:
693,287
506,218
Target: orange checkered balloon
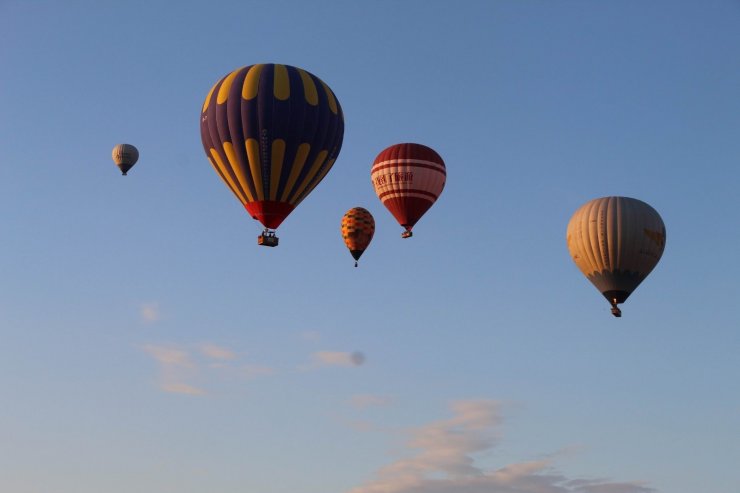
358,227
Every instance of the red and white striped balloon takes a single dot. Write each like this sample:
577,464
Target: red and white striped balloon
408,179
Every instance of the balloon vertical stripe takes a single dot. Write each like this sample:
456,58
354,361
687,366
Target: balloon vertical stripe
278,155
208,98
317,179
298,163
227,176
253,156
281,85
241,180
251,82
318,161
223,91
330,97
309,88
224,179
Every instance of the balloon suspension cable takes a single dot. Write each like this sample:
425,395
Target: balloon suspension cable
615,310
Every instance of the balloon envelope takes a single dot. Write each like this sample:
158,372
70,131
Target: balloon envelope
616,242
125,156
358,227
408,179
271,132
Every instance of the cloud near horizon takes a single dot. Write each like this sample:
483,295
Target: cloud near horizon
176,366
181,372
169,356
181,388
444,462
217,352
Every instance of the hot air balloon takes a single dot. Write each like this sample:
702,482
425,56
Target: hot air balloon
125,156
358,227
408,179
271,132
616,242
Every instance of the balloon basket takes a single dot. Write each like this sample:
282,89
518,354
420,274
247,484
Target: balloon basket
407,234
267,238
616,311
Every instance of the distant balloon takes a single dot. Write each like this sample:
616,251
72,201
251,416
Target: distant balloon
125,156
271,132
408,179
357,358
616,242
358,227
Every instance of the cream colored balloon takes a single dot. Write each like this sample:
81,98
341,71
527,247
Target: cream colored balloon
616,242
125,156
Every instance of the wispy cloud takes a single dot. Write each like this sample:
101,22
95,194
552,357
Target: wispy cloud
149,312
444,462
176,368
169,356
217,352
181,388
190,369
310,335
337,358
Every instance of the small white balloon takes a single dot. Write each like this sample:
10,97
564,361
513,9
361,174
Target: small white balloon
125,156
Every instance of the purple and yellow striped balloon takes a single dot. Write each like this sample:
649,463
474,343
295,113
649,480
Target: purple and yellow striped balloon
272,132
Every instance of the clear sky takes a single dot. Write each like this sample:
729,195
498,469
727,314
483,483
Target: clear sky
150,346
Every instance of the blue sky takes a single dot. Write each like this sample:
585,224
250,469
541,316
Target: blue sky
148,344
